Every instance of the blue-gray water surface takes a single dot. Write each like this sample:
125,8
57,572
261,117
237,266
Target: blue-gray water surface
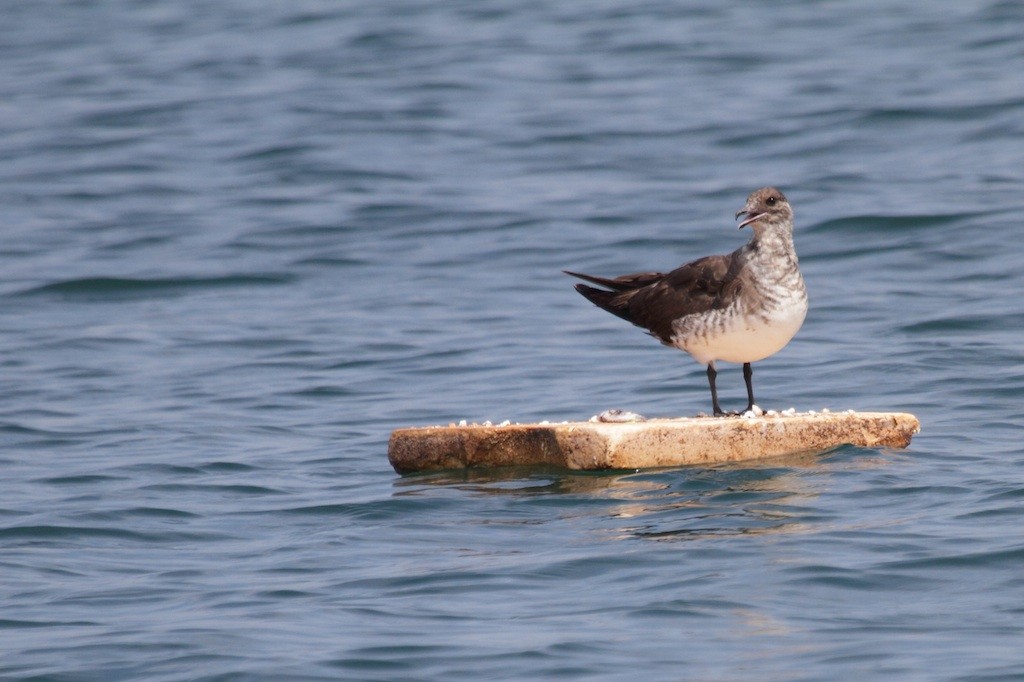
244,241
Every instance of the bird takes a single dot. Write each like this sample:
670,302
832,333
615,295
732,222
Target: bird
739,307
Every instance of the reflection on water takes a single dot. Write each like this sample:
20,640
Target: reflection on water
682,504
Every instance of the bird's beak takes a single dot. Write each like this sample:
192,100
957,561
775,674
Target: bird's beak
751,217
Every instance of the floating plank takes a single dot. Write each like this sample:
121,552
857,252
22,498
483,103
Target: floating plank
595,445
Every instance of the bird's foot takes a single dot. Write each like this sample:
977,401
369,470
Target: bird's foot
752,411
748,411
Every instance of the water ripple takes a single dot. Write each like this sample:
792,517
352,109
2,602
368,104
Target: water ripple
120,288
232,265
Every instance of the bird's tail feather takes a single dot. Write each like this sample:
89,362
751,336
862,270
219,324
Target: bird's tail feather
637,280
605,300
600,281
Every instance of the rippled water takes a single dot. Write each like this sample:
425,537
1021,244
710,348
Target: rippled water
243,241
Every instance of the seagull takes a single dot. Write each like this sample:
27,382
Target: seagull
741,307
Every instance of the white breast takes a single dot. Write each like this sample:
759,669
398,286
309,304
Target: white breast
734,335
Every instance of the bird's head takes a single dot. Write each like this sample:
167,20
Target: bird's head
766,207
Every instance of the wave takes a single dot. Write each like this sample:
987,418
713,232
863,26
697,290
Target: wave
98,288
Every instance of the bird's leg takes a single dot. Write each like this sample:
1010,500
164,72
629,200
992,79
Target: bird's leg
714,392
748,374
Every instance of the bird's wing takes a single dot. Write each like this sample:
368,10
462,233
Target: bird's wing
697,287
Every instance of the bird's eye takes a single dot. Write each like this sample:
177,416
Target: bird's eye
770,201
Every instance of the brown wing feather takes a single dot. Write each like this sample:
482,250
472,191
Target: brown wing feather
694,288
654,301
